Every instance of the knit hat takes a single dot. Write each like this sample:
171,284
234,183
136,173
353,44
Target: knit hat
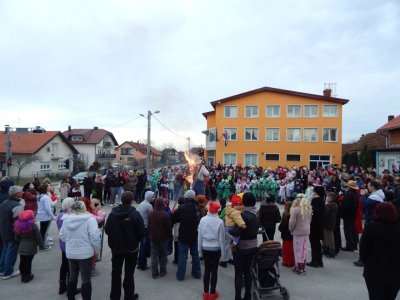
190,194
26,215
236,200
213,207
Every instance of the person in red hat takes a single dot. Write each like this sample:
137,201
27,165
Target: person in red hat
211,243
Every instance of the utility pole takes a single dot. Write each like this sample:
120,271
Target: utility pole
8,149
148,146
188,144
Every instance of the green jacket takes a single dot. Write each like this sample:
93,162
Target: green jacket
28,242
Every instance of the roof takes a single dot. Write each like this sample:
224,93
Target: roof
280,91
31,143
373,140
392,124
142,148
207,113
90,136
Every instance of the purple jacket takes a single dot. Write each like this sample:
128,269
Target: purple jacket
59,224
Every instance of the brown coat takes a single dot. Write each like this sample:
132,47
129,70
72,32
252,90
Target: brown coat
160,225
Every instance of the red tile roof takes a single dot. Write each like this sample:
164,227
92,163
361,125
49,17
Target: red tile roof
30,143
395,123
373,140
280,91
90,136
142,148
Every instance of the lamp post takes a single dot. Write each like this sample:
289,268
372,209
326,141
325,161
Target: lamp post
8,149
149,114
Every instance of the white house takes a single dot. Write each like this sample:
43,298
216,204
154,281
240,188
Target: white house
93,145
37,153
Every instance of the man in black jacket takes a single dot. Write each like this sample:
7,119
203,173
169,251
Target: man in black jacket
188,215
348,213
125,230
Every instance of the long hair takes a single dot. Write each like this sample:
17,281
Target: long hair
303,203
25,222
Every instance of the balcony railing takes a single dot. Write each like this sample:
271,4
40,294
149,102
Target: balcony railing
105,155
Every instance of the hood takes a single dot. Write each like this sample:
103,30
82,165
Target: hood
73,222
251,209
378,195
148,196
122,211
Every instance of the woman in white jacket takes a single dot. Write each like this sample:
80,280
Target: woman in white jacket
82,239
211,241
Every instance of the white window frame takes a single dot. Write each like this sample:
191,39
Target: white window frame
237,111
272,105
304,135
45,166
244,159
258,134
61,165
230,153
329,113
229,136
279,134
330,128
287,135
308,105
287,111
251,117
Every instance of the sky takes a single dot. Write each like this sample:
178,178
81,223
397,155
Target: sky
102,63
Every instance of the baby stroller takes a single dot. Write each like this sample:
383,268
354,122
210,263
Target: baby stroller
265,271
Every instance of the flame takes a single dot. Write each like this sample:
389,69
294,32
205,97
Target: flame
191,159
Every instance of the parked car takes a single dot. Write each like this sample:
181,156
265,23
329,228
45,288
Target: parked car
81,175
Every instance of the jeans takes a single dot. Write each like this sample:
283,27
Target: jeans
170,194
25,264
199,187
183,255
8,258
159,257
113,194
64,268
178,191
130,260
176,252
243,260
44,226
349,234
211,260
144,250
84,266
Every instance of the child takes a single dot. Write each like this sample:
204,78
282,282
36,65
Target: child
28,235
181,200
331,210
100,216
233,217
287,238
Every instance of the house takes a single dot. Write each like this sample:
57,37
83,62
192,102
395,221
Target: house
93,145
275,127
388,157
135,154
169,156
37,153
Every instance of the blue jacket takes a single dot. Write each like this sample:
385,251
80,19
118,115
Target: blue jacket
370,203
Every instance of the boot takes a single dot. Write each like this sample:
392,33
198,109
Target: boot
29,277
63,287
86,291
206,296
214,296
23,277
71,289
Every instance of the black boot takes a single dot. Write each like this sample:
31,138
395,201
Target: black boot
86,291
63,287
23,277
71,289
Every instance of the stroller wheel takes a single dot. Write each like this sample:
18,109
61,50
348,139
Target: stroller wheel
255,295
285,293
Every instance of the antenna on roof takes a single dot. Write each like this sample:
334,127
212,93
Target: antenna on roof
331,86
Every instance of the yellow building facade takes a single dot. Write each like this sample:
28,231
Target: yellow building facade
272,127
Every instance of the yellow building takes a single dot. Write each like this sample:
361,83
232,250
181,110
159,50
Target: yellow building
272,127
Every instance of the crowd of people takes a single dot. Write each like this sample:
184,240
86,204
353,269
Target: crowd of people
215,218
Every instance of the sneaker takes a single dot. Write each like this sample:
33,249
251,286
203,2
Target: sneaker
49,243
136,296
223,264
358,263
1,273
45,248
111,205
49,239
15,273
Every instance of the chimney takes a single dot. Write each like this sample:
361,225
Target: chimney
327,92
95,127
390,118
69,127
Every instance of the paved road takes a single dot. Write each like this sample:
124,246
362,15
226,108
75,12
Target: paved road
337,280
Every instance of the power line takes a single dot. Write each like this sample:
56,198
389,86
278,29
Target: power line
126,122
169,129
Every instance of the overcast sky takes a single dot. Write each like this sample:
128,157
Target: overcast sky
102,63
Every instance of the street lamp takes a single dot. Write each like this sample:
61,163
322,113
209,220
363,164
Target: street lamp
149,114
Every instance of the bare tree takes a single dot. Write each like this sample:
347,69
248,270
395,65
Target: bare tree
20,162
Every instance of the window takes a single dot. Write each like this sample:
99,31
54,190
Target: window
251,160
311,111
61,165
272,156
126,151
212,135
230,111
231,134
272,134
76,138
54,149
293,135
45,166
329,135
318,161
251,134
251,111
294,111
310,135
273,111
330,111
229,158
293,157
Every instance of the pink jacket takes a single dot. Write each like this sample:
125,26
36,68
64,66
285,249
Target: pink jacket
99,215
